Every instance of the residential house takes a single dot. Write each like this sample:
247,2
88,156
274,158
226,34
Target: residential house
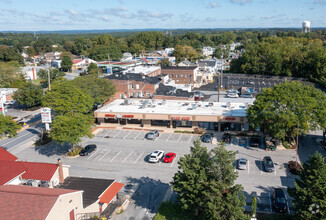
206,72
187,63
126,57
208,51
81,63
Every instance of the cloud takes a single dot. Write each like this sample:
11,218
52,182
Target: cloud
272,17
71,12
214,5
241,2
320,2
104,18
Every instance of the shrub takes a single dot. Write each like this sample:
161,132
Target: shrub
177,131
199,131
294,167
74,151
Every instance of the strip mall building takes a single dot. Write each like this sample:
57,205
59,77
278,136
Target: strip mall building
218,116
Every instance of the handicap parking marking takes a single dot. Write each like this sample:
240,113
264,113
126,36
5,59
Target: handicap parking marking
105,155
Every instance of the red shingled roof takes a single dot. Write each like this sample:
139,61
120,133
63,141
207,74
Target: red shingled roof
9,170
26,202
5,155
38,171
75,61
111,192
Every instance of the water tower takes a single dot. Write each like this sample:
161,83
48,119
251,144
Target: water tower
306,26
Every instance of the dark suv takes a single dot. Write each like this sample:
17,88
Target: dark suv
226,138
279,200
87,150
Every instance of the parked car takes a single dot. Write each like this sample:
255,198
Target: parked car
246,95
169,157
232,93
87,150
243,142
226,138
206,138
254,142
242,164
156,156
268,164
152,135
199,94
279,200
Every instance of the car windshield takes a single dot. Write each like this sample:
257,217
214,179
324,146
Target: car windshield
153,156
269,162
280,200
167,156
243,163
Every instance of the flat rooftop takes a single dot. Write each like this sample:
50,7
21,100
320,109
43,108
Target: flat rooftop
143,69
176,107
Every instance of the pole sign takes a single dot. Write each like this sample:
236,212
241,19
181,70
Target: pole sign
46,115
2,107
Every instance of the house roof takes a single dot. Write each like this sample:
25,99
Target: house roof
111,192
210,63
26,202
178,67
93,188
172,91
5,155
135,77
75,61
38,171
9,170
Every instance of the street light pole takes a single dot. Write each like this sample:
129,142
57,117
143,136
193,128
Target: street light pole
49,80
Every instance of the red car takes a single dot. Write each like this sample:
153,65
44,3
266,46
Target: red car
168,158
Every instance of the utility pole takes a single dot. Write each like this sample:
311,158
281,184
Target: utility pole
218,88
110,64
49,79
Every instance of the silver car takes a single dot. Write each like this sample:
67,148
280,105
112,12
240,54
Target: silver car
152,135
242,164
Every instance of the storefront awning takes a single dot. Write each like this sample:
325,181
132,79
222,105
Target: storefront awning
111,192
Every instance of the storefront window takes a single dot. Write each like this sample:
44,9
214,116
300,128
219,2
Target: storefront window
159,123
134,121
230,126
111,120
183,124
207,125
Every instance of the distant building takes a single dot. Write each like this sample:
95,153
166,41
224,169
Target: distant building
144,70
208,51
180,74
187,63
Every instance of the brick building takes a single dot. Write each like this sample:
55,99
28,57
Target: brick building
181,74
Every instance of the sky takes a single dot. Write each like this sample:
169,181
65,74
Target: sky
36,15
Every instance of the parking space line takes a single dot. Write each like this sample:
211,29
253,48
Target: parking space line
275,171
106,134
248,166
138,158
168,137
127,135
137,135
115,156
191,136
127,157
173,161
95,153
104,155
179,138
157,138
116,134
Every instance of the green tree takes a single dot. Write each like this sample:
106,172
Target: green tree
220,53
100,89
66,63
54,74
43,45
71,128
205,183
280,109
10,75
101,53
64,98
8,127
93,69
29,95
185,52
309,190
10,54
253,206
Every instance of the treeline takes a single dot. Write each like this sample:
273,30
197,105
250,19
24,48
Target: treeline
284,56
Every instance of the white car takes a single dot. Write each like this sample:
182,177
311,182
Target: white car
156,156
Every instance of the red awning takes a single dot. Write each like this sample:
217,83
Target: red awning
111,192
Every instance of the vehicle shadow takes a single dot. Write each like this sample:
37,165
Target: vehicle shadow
147,193
53,149
259,165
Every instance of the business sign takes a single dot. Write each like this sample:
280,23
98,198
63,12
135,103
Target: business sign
177,118
2,107
128,116
109,115
46,115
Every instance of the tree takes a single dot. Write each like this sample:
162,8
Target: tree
220,53
66,63
280,109
93,69
54,74
205,183
65,97
29,95
253,206
99,89
43,45
71,128
10,54
10,75
8,126
165,62
185,52
309,190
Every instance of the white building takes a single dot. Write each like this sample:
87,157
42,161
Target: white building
208,51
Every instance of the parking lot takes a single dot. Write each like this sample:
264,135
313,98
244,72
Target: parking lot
123,155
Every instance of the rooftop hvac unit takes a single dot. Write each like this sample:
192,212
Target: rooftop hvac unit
126,102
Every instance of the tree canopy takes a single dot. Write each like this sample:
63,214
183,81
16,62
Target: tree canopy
10,75
64,98
66,63
8,126
29,95
205,183
278,110
54,74
309,190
